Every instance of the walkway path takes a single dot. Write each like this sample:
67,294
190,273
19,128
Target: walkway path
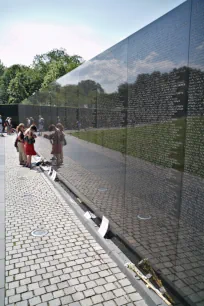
65,267
2,219
173,238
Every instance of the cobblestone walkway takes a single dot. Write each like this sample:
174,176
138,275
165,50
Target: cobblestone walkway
65,267
171,240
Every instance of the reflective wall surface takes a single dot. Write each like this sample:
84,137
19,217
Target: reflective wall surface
133,118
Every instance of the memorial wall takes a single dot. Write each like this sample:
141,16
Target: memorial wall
133,116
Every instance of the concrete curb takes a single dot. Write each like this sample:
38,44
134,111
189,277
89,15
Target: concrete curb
112,250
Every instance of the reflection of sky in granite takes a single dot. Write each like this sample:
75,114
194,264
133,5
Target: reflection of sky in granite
71,78
157,47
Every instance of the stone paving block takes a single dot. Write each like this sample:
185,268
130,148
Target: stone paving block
97,299
43,283
86,302
80,287
110,279
104,273
62,285
75,304
34,301
119,292
89,292
58,293
73,282
39,291
14,298
99,289
78,296
65,277
108,296
25,281
94,276
33,286
70,290
27,295
91,284
47,297
66,300
121,301
22,303
10,292
13,285
109,303
109,287
55,302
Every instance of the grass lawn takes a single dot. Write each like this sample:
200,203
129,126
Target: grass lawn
162,143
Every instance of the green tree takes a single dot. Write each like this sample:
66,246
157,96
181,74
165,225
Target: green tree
18,82
57,69
2,68
55,64
24,84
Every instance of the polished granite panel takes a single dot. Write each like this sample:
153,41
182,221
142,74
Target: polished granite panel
134,116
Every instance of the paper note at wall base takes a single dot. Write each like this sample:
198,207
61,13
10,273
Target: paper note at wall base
103,227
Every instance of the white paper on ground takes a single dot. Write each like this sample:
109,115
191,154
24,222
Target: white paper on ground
103,227
37,159
87,215
54,174
45,168
50,170
92,215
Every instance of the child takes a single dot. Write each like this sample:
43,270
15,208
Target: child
29,144
20,144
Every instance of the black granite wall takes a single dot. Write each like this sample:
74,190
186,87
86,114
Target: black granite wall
142,102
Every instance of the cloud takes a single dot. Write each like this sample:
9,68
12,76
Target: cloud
201,46
110,71
150,63
21,42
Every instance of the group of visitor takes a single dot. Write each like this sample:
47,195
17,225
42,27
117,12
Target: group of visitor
25,144
6,126
30,121
26,138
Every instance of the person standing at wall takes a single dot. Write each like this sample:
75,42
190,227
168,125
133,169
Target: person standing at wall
9,125
62,140
1,126
28,122
40,125
20,144
55,139
29,139
58,120
31,120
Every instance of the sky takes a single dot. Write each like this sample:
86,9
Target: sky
82,27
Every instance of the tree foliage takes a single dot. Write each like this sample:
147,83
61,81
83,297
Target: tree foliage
18,82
